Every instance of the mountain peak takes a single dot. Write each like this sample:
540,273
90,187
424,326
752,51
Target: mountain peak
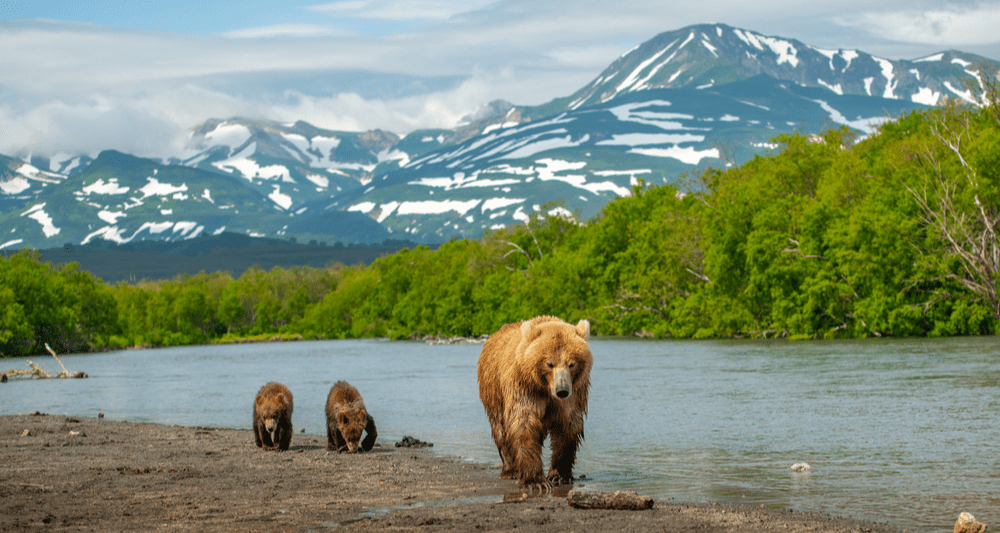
708,55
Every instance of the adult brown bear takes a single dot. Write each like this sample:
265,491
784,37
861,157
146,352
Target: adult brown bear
347,418
534,377
272,417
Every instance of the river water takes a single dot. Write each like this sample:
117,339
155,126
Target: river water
903,431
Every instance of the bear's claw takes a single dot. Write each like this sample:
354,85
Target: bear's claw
556,479
541,487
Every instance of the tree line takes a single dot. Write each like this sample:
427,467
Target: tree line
828,237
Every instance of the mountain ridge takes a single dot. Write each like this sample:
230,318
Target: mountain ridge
661,109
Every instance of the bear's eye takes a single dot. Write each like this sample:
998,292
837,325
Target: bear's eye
550,365
572,364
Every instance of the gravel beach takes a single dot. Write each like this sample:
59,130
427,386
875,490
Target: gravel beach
64,473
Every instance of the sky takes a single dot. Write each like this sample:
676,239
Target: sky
84,76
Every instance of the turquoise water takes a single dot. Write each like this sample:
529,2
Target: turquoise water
904,431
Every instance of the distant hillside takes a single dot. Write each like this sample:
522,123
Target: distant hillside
228,252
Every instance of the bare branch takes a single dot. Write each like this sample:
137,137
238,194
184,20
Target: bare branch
540,255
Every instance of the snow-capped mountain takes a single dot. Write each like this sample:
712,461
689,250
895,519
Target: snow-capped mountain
715,54
678,101
589,155
123,198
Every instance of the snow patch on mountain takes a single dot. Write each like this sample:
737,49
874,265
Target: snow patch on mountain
926,96
154,188
15,185
386,210
963,94
645,139
38,214
785,51
187,230
544,146
687,154
320,180
99,187
111,217
362,207
835,88
249,169
28,171
433,207
867,125
887,72
232,135
634,76
280,199
499,203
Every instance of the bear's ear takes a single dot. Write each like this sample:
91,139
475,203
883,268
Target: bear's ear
526,328
583,329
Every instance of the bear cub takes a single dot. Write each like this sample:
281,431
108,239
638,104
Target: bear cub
272,417
346,419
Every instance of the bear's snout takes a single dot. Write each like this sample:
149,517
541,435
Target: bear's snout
562,384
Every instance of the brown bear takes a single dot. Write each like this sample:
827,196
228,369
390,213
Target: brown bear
534,377
272,417
346,418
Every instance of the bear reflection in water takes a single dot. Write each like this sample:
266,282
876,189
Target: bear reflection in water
534,377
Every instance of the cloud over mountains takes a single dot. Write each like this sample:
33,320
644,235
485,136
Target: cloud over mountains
88,81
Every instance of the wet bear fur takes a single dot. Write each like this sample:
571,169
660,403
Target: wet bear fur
534,377
272,417
346,419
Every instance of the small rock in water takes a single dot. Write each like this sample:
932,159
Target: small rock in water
968,524
800,467
413,442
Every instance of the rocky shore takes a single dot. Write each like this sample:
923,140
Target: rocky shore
77,474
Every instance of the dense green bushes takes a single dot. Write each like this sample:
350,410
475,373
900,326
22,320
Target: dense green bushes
64,307
893,235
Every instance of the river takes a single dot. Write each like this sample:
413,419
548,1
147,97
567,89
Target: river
903,431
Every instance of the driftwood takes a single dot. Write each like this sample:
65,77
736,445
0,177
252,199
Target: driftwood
37,372
626,500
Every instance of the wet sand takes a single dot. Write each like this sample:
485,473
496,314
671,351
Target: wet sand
79,474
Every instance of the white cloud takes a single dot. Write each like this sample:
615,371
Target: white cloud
947,25
83,87
281,30
397,10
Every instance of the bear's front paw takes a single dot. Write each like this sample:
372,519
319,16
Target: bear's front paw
539,485
556,479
